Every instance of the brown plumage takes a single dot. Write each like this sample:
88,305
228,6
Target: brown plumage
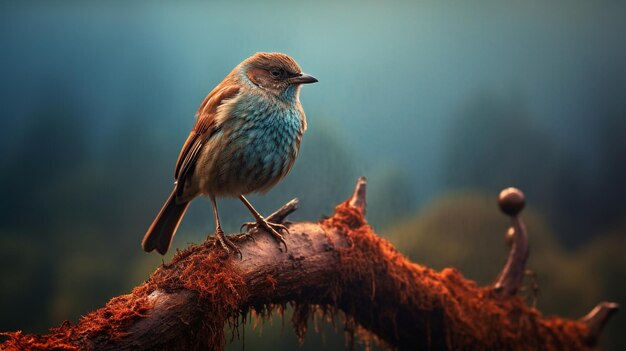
246,138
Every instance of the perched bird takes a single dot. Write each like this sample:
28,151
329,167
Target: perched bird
246,139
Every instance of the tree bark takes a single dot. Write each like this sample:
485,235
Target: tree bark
338,265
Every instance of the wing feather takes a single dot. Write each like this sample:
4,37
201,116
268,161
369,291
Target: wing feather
203,129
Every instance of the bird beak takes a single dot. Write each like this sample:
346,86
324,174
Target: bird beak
303,78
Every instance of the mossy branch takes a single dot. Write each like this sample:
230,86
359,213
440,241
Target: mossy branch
335,265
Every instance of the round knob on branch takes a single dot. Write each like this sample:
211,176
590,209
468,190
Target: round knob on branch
511,201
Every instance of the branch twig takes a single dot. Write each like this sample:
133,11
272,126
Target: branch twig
358,196
511,202
597,319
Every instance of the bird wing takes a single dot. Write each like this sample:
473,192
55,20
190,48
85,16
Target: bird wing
202,130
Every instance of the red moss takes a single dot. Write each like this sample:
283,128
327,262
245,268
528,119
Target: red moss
454,312
270,279
108,322
198,269
119,313
408,305
57,340
219,286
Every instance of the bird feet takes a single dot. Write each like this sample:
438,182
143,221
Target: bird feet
226,243
270,227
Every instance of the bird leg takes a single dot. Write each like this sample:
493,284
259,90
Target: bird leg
226,243
272,228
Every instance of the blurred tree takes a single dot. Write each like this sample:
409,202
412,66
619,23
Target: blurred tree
136,175
608,129
26,273
391,196
38,208
493,144
53,150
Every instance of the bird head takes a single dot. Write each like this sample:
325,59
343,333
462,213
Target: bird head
275,73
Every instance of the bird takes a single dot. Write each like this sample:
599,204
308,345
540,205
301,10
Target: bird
245,139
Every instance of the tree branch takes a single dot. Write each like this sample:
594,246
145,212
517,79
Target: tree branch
597,319
337,265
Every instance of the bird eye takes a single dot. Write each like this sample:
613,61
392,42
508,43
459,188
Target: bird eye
276,72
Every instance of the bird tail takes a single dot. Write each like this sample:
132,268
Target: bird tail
159,235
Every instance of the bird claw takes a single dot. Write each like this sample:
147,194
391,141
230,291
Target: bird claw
226,243
270,227
249,235
248,226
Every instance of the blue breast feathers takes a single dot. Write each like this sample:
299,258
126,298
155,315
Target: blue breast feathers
265,139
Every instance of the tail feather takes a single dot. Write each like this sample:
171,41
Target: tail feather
159,235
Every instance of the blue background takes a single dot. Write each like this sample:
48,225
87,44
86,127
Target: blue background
439,105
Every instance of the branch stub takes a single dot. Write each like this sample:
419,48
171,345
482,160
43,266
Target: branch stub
511,201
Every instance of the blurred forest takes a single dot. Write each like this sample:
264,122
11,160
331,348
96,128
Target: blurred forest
440,106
